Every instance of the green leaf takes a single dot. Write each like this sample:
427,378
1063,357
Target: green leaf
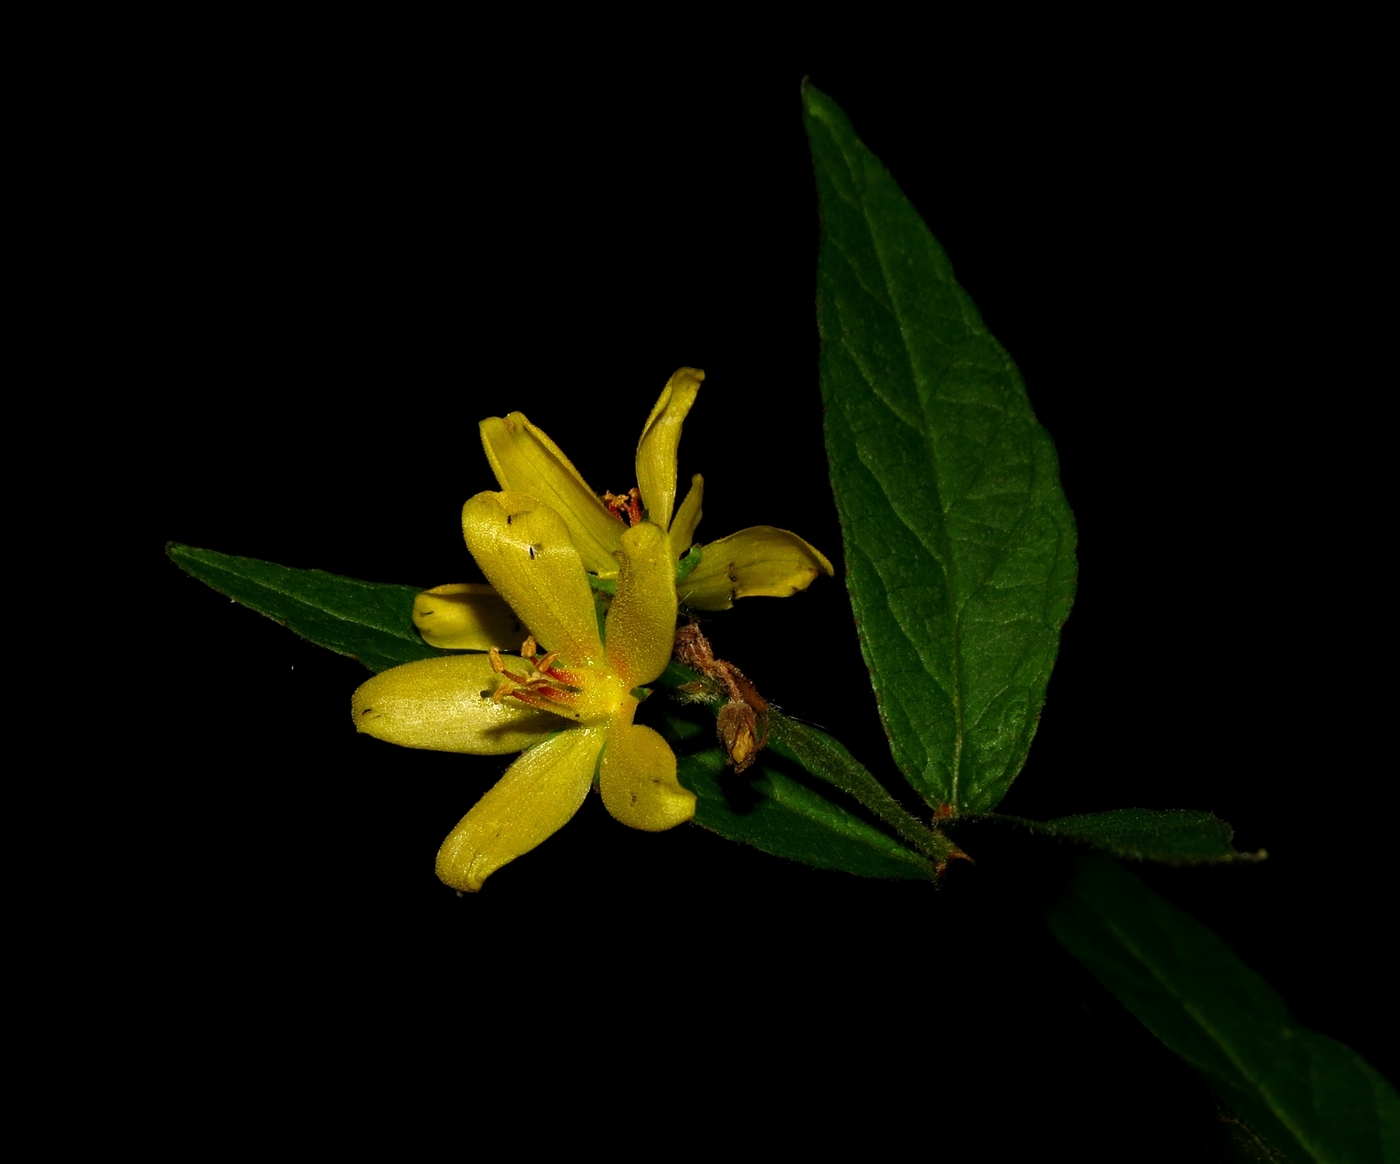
1171,836
827,759
369,621
775,812
959,542
1309,1095
814,752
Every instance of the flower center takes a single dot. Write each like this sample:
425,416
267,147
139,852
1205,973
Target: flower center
575,695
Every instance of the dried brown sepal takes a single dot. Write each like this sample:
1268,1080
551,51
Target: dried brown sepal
693,648
738,729
742,724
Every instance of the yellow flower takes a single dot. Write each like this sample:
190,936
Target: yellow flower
570,708
760,560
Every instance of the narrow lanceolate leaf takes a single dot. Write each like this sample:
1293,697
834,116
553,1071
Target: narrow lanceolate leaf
372,622
959,542
771,810
1307,1094
1170,836
828,760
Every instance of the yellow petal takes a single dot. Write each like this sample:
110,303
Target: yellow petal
523,548
446,705
466,616
642,620
525,460
638,778
688,516
758,560
661,436
536,797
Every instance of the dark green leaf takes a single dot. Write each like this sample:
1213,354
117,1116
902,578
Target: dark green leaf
1302,1091
818,754
775,812
959,542
827,759
369,621
1172,836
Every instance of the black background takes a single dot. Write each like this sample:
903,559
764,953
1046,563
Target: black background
340,271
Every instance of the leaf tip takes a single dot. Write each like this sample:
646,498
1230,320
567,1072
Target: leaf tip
816,103
955,854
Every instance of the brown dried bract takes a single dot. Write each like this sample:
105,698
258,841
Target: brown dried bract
742,725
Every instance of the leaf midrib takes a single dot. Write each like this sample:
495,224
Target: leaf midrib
954,614
850,829
1280,1111
190,553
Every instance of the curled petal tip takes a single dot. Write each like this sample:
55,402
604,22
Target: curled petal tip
637,779
525,550
536,797
466,616
641,625
688,515
525,460
661,436
761,560
446,705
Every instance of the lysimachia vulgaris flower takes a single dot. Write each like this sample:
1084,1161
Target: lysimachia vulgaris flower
566,703
761,560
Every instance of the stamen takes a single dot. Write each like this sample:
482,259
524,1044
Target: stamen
545,687
625,506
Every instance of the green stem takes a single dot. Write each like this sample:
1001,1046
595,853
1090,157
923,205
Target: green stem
828,759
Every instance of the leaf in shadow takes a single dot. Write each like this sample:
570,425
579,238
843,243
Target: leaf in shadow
1306,1095
777,808
1169,837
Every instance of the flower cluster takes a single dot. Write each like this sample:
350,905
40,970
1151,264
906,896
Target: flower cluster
546,543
